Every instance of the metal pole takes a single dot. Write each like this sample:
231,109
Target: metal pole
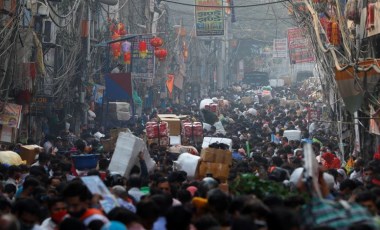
87,62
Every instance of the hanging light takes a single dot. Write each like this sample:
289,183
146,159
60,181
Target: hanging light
335,34
185,54
121,29
126,46
143,49
156,42
116,46
161,53
127,58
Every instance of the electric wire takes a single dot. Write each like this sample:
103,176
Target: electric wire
72,12
116,11
67,22
235,6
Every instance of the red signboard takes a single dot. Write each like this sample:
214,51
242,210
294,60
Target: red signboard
300,50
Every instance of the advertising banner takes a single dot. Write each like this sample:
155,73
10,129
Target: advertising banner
209,20
10,115
280,48
300,50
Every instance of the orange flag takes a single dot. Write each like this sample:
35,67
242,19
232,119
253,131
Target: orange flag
170,83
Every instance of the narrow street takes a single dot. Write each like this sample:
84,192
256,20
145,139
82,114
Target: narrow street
189,115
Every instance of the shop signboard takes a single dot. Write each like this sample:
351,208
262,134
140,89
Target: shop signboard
40,104
10,114
209,20
280,48
300,50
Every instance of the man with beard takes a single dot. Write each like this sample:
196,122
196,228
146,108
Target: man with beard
78,199
27,213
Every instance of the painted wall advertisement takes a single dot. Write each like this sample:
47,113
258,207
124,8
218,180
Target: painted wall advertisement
209,20
299,47
10,114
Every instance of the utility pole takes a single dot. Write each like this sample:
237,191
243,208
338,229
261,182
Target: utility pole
86,63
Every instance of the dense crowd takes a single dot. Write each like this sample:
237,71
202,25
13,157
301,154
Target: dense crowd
274,183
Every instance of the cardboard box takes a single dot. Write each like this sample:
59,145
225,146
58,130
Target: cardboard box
119,111
108,145
247,100
216,156
114,133
174,125
28,153
218,170
126,154
292,134
210,140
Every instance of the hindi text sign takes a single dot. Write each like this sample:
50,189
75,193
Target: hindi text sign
209,20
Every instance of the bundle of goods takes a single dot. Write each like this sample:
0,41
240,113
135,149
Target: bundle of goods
157,132
120,111
11,158
110,142
157,129
192,131
213,107
28,153
174,123
216,160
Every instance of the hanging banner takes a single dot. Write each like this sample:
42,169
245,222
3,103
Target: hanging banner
299,47
374,122
347,82
209,20
280,48
118,87
10,115
170,83
142,67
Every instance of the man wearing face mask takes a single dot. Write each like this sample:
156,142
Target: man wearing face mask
78,198
57,210
26,212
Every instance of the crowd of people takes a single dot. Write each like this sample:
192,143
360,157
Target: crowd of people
274,183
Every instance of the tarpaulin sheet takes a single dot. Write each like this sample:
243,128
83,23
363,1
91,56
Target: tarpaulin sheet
118,87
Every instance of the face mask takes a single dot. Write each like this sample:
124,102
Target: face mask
77,214
57,217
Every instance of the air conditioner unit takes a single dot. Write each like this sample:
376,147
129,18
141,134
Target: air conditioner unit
43,10
48,31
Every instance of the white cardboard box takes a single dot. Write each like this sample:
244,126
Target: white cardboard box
292,135
210,140
126,154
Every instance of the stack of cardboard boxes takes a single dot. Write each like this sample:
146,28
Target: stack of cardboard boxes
110,143
215,162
